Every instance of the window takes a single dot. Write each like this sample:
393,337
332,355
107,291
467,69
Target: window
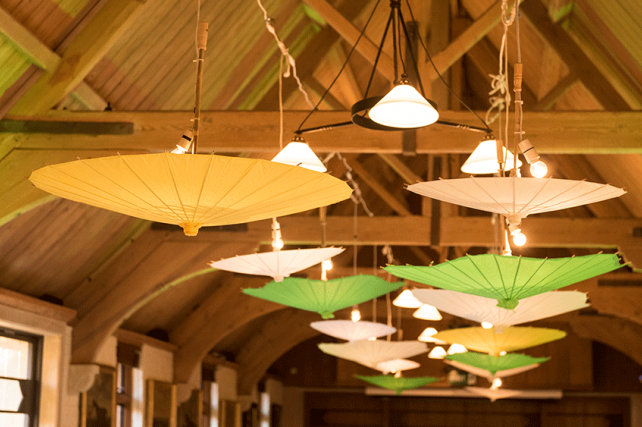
127,405
20,359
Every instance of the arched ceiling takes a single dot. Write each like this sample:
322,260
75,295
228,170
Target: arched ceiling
64,62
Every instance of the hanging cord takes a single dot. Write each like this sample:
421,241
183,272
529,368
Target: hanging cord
202,45
517,88
374,273
356,196
355,248
290,62
387,251
461,101
281,103
342,67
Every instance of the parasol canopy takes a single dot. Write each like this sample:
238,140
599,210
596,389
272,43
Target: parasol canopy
353,331
495,393
277,264
397,384
324,297
396,365
371,353
191,190
481,309
512,339
508,278
514,197
487,366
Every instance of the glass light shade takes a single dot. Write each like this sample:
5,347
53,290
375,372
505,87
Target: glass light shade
404,107
407,300
427,336
299,153
396,365
437,353
427,312
484,159
456,349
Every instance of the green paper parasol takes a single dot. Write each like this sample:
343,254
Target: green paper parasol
511,339
324,297
507,278
490,366
397,384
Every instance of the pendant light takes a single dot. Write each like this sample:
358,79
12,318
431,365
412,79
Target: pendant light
486,157
407,300
427,312
299,153
404,107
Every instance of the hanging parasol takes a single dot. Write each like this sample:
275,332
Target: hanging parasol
495,393
491,367
511,339
191,190
277,264
507,278
481,309
514,197
353,331
324,297
396,365
397,384
371,353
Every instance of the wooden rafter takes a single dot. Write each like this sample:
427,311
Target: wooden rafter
560,132
82,54
576,60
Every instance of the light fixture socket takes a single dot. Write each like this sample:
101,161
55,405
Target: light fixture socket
529,152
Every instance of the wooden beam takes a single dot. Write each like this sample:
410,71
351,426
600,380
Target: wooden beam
147,268
401,168
374,184
30,45
465,41
16,300
558,91
619,334
366,47
576,60
224,311
82,54
279,333
585,132
455,231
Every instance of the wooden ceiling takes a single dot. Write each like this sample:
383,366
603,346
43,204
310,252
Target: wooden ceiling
64,61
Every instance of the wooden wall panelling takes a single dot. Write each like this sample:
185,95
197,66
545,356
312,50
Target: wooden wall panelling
224,311
279,333
146,277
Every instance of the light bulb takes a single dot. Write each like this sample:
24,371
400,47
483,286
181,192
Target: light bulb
539,169
502,353
486,325
519,239
355,315
278,244
327,264
497,382
397,374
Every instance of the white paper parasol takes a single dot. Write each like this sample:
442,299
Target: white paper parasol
371,353
277,264
516,198
495,393
396,365
352,331
481,309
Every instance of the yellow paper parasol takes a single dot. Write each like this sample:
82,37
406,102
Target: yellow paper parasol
511,339
191,190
